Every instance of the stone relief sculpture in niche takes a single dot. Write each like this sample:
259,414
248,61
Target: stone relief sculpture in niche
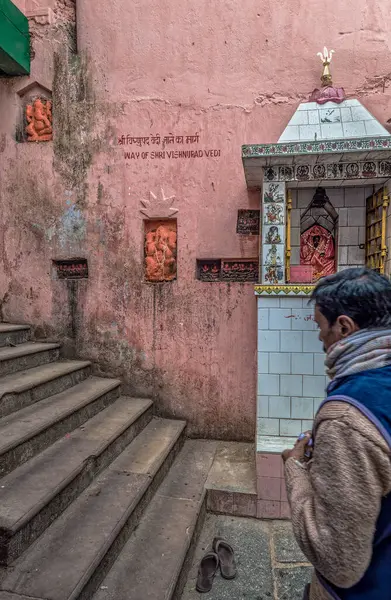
39,121
160,250
317,236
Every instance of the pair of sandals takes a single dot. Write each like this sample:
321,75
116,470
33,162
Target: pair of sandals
222,555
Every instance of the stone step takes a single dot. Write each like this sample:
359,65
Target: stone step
231,483
71,558
153,563
27,356
11,335
23,388
34,494
28,431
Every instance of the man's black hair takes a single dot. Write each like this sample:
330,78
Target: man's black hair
361,294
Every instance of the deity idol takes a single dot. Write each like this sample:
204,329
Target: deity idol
317,250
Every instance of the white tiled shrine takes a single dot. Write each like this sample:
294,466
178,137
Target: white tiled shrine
331,121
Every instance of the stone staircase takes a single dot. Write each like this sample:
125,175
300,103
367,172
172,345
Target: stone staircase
99,499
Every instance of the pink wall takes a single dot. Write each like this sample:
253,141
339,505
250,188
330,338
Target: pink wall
234,73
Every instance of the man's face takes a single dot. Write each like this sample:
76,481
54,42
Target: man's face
330,334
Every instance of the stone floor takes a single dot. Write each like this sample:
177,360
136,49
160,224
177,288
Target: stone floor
270,564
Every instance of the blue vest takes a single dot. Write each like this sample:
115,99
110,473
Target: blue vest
369,392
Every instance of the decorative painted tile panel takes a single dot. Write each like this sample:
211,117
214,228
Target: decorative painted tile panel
338,170
317,147
273,242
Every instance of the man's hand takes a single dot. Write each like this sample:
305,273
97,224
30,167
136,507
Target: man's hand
299,449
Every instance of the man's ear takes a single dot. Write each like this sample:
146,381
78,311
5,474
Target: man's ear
346,326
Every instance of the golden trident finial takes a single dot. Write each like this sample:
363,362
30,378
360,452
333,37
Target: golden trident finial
326,60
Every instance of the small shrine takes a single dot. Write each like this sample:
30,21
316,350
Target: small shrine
324,207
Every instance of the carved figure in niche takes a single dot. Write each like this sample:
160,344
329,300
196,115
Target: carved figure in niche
273,193
273,235
160,251
39,121
272,257
317,249
274,215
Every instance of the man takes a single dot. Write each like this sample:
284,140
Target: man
340,497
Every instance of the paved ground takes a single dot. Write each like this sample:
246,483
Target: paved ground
270,564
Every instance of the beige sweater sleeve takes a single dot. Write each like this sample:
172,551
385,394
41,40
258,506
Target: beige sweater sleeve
335,499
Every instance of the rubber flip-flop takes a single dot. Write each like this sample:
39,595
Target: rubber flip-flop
206,572
226,558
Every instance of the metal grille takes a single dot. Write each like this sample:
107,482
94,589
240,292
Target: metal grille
376,217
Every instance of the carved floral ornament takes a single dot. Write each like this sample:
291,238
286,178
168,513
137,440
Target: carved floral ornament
39,121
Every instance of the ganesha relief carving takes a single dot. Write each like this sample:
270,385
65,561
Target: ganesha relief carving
160,250
39,121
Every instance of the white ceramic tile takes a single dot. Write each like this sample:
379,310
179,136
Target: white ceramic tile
262,406
295,255
295,236
343,255
348,236
302,363
280,406
263,318
295,217
319,366
307,425
375,128
269,385
313,117
280,275
354,196
299,118
361,236
290,427
309,133
331,131
265,302
329,115
291,341
311,342
290,134
359,113
308,106
354,129
280,362
263,362
346,114
280,318
356,216
303,319
272,233
337,197
343,217
292,385
274,445
268,341
351,102
313,385
291,302
356,256
268,426
302,408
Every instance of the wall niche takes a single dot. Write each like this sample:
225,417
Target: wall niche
160,250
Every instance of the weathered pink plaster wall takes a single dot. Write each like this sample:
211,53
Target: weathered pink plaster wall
234,73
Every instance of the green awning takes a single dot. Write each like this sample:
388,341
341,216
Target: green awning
14,40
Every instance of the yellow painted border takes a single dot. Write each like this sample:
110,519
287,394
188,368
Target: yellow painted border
275,290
